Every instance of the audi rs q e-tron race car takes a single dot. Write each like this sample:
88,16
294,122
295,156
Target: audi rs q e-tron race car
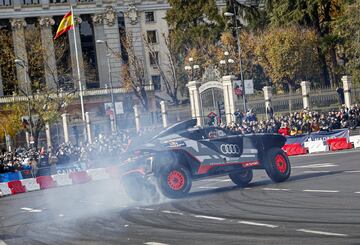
183,153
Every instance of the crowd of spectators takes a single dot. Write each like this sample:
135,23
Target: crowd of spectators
297,123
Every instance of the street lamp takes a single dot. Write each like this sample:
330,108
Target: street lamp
226,63
23,63
108,55
192,70
232,15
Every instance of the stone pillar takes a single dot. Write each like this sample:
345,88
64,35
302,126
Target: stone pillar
229,103
347,80
164,114
101,49
73,57
267,96
305,88
18,36
27,137
137,118
1,85
65,127
48,135
51,75
111,29
196,111
88,127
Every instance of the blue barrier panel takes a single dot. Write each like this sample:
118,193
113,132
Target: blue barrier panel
10,176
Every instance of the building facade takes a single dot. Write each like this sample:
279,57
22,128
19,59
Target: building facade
96,20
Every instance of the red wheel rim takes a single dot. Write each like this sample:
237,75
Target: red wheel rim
281,163
176,180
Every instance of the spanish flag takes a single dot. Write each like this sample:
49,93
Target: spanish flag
66,24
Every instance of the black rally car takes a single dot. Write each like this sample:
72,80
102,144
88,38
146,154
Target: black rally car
184,153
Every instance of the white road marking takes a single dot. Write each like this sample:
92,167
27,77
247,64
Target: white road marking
31,210
226,180
147,209
247,188
209,217
324,191
61,215
26,209
2,242
358,192
317,165
171,212
322,233
257,224
208,187
210,180
312,172
352,171
155,243
275,189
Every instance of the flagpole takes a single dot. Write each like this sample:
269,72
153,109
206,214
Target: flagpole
78,66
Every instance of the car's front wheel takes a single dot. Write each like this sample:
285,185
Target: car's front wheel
242,178
174,181
277,164
139,189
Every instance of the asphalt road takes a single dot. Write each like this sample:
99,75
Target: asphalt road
320,204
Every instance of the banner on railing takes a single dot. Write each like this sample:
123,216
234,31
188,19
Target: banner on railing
70,168
340,133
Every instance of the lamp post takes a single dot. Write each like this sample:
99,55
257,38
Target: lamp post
108,55
22,63
227,62
233,15
192,70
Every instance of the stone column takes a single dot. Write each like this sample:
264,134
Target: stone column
48,135
65,127
229,103
51,75
111,29
347,80
18,36
267,96
88,127
1,85
305,88
196,111
164,114
137,118
73,57
27,137
101,49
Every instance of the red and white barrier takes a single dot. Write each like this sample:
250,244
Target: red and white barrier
98,174
316,146
4,189
355,140
62,179
30,184
337,144
294,149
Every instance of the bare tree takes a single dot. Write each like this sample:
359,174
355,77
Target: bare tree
171,69
133,72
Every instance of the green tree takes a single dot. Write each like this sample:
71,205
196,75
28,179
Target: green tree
287,55
192,21
318,15
348,27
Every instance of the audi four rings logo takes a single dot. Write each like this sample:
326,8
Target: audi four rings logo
230,149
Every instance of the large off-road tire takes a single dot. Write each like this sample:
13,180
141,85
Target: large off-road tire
139,189
277,164
174,181
242,178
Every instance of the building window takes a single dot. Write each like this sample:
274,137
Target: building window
156,80
151,36
154,58
149,17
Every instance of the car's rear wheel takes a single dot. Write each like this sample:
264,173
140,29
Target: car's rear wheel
139,189
277,164
242,178
174,181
